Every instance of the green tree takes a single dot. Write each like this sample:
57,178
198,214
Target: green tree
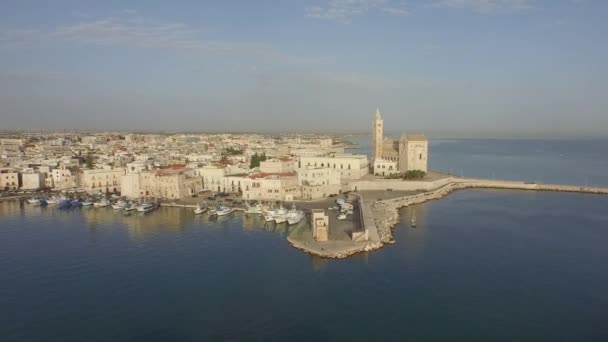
89,160
255,161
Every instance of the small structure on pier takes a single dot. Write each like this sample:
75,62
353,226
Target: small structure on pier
320,225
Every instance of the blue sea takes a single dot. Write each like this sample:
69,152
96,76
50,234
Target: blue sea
482,265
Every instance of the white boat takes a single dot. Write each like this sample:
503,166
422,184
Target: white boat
101,204
199,210
146,207
53,200
223,210
120,205
256,209
342,217
34,201
87,203
294,216
269,216
280,216
130,207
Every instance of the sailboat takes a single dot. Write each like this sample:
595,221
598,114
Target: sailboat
413,220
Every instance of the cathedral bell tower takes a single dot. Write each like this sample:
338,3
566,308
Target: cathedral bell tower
377,136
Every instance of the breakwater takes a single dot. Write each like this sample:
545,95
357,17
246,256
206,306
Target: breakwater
386,212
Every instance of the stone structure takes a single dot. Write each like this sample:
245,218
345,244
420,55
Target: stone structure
320,225
390,156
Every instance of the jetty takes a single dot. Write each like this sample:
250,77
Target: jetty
379,216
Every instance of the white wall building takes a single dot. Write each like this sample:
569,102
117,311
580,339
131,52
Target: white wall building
350,166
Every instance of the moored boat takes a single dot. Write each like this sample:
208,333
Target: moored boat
199,209
294,216
147,207
223,210
102,203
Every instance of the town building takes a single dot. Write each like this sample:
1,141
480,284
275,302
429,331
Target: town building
350,166
318,182
275,187
9,179
102,181
33,181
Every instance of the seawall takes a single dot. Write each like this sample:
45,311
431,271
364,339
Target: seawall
386,212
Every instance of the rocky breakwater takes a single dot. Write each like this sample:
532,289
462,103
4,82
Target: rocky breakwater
386,212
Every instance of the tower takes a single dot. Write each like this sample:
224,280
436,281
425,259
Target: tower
377,136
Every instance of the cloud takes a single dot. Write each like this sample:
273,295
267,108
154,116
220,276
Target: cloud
487,6
345,10
130,30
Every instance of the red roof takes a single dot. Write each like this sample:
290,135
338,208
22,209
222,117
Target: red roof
284,159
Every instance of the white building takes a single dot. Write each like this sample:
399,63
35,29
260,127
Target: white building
33,181
278,165
275,187
98,181
318,182
350,166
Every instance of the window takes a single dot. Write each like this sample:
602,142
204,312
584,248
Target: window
420,156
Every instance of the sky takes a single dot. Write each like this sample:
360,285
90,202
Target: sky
504,67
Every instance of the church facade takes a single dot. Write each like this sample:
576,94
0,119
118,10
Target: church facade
392,156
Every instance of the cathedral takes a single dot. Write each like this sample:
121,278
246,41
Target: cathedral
391,156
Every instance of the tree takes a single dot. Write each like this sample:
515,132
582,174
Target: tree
89,160
255,161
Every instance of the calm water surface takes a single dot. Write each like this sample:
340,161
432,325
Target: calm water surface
482,265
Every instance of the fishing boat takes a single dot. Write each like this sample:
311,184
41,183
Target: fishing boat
199,209
147,207
294,216
130,207
120,205
76,203
64,204
253,209
223,210
102,203
53,200
280,216
269,215
34,201
87,203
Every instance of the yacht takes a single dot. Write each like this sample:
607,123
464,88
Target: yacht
199,209
147,207
294,216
